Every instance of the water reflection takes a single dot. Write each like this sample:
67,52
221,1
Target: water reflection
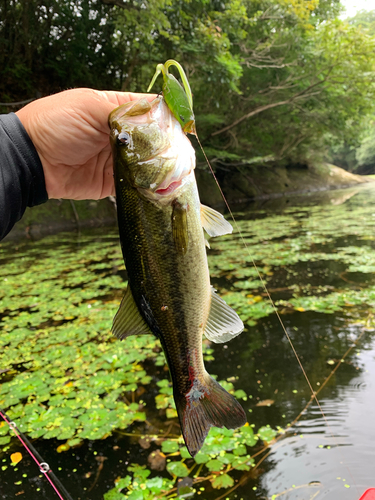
316,458
339,455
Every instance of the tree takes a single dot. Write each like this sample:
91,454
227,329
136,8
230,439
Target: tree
315,93
49,45
273,80
364,20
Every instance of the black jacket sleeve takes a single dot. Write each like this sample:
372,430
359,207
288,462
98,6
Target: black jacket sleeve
21,173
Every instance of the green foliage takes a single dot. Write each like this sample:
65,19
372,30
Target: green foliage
66,376
338,238
296,240
365,154
223,481
365,20
138,486
266,433
169,446
223,452
177,469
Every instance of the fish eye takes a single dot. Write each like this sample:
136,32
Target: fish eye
182,118
123,139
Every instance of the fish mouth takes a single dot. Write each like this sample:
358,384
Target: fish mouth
171,185
168,190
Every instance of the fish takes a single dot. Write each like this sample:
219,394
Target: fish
161,225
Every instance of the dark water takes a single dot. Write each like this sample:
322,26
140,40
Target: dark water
331,458
317,456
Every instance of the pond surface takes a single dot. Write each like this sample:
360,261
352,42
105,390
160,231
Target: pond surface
92,405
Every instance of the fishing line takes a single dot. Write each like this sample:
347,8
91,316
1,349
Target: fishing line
313,393
261,279
43,466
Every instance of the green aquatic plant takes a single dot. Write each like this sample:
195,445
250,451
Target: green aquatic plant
65,376
224,451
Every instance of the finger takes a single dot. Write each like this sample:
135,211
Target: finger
118,98
107,101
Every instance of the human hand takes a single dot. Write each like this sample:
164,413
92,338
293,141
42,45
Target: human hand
71,135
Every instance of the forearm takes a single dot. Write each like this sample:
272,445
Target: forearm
22,181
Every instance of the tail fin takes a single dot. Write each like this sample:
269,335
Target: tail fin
206,405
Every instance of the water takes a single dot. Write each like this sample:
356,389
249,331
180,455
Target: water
339,457
327,459
316,256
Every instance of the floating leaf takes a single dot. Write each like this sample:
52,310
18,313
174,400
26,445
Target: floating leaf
214,465
171,413
266,433
239,450
155,484
184,452
240,394
247,436
178,469
169,446
135,495
63,447
222,481
200,458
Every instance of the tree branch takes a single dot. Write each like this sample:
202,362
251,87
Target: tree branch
300,95
248,115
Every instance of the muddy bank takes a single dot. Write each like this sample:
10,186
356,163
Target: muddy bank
239,186
266,183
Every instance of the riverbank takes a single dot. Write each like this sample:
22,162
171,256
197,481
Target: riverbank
267,183
241,185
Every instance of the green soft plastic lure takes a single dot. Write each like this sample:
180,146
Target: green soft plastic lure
179,99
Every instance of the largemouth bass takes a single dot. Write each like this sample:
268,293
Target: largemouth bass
161,225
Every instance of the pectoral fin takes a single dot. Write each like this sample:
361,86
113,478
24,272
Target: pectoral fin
214,223
180,227
223,322
128,320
